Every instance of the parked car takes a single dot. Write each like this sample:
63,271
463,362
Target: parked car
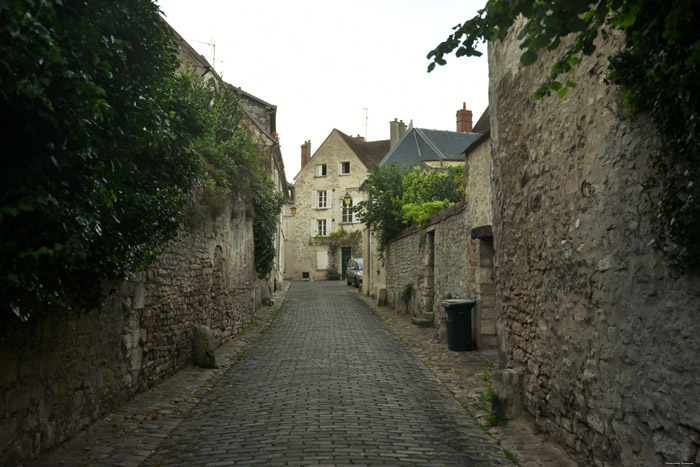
353,274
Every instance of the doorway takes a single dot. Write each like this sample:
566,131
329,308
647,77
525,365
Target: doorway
346,252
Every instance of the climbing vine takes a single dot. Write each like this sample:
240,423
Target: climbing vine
657,71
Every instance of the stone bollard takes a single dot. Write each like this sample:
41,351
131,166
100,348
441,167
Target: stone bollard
203,347
507,393
266,297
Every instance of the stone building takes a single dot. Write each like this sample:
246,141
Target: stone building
337,168
260,118
598,339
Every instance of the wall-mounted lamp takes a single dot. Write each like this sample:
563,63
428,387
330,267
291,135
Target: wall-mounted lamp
293,209
347,199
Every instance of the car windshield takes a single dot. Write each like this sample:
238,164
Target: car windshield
359,264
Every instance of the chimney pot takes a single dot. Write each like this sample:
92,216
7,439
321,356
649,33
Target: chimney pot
305,153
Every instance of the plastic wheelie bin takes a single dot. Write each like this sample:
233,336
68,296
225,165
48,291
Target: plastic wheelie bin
458,317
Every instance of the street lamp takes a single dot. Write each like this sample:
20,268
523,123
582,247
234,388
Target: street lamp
347,199
293,209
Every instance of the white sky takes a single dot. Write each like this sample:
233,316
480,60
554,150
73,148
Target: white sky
323,62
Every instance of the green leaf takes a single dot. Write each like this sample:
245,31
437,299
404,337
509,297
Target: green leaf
528,58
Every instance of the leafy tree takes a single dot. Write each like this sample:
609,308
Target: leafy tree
230,163
95,164
401,195
103,140
658,71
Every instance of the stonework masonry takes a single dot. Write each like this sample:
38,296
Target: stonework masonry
61,374
605,337
445,261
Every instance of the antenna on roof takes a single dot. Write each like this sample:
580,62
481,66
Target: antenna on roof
366,121
213,53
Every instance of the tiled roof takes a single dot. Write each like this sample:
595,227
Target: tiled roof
367,151
418,145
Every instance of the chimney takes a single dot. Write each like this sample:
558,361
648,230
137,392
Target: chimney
305,153
396,131
464,119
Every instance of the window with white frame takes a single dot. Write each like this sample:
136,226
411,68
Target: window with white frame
321,227
345,168
350,217
321,170
322,199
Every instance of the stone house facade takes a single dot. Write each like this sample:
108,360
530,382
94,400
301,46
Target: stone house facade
596,336
337,168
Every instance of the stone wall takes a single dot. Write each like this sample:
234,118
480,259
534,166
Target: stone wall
59,375
605,338
435,266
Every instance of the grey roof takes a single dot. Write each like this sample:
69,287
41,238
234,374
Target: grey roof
418,145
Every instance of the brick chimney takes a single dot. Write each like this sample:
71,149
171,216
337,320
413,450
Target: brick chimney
396,130
305,153
464,119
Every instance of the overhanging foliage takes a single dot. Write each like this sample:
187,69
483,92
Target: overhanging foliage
658,71
393,187
102,142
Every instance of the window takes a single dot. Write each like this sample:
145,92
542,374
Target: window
321,227
350,217
321,170
345,168
321,199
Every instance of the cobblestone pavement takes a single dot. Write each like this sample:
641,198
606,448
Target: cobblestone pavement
327,384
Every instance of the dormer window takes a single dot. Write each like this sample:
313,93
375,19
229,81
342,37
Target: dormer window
321,170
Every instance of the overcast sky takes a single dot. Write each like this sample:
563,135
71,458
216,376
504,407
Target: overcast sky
354,66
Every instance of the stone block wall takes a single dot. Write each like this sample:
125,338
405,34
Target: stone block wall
436,266
62,373
606,339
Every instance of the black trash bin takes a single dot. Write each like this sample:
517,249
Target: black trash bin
458,317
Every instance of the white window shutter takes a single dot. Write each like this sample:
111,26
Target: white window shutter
329,199
313,227
340,168
321,260
314,197
355,202
329,226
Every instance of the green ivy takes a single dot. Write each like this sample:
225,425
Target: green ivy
96,162
103,141
657,71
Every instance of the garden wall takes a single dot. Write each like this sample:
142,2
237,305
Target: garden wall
59,375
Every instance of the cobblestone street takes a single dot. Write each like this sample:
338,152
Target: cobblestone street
327,383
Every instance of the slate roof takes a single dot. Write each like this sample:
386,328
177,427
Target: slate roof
367,151
419,145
